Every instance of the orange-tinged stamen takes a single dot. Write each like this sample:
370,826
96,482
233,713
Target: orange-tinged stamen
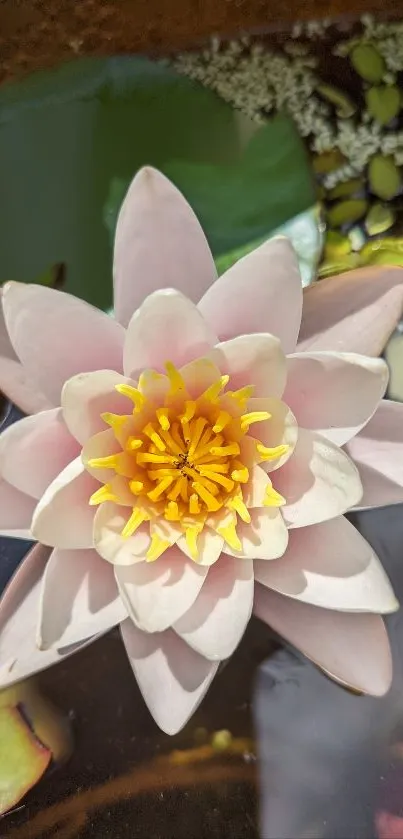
204,451
171,443
172,511
196,430
268,453
176,490
252,417
136,519
193,473
212,393
177,436
211,503
190,409
224,451
133,394
219,479
184,490
155,438
136,487
194,506
223,419
156,493
240,474
155,458
133,443
157,547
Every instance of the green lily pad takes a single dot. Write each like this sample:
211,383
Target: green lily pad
380,218
346,189
345,107
384,177
383,102
368,62
347,212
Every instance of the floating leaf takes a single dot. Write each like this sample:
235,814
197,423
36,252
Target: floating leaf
23,758
328,161
345,107
336,245
383,102
347,212
346,189
368,62
384,177
380,218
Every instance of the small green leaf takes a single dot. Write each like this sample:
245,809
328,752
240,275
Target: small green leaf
336,245
346,189
328,161
345,107
380,218
383,103
330,268
368,62
384,177
347,212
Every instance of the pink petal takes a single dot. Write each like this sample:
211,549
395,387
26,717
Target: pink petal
34,450
19,388
332,566
322,391
261,293
56,335
378,452
102,444
351,648
266,537
109,522
171,676
79,599
157,594
216,622
319,481
353,312
198,375
256,360
19,611
63,517
166,327
158,244
16,511
86,396
280,429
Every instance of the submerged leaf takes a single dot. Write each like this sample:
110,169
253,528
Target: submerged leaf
347,212
346,189
367,62
383,102
336,245
384,177
328,161
345,107
380,218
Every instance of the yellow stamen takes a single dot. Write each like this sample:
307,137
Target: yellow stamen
176,489
196,427
240,473
190,408
272,453
157,474
184,490
215,467
242,395
254,416
148,457
192,534
133,443
155,438
171,443
136,487
172,511
102,494
219,479
156,493
116,421
175,378
109,462
223,451
136,519
204,451
163,419
177,437
157,547
211,503
237,503
192,473
133,394
212,393
222,420
272,498
194,506
228,532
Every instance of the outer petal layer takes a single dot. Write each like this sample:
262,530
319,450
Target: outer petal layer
353,312
332,566
158,244
378,452
56,335
86,396
63,517
261,293
171,676
16,510
353,649
256,360
322,391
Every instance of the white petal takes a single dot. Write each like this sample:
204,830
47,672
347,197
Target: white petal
16,511
63,517
86,396
322,387
209,544
157,594
171,676
79,599
166,327
280,429
266,537
352,648
256,360
216,622
19,612
319,481
332,566
378,451
109,522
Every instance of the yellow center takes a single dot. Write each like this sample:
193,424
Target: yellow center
183,463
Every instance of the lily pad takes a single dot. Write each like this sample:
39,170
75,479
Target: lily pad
380,218
368,62
23,758
346,189
383,102
346,212
345,107
384,177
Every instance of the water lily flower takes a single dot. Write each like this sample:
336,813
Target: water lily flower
196,464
